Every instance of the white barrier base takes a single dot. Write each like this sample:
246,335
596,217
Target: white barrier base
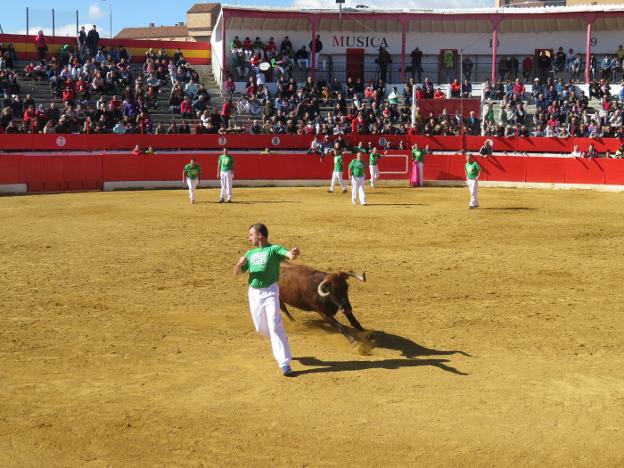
171,184
528,185
13,188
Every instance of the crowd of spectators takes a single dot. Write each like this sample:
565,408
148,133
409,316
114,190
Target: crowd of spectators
560,110
268,61
100,91
321,108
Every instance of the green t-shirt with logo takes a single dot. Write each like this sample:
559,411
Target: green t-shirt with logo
192,171
226,162
373,157
263,264
357,168
338,163
473,170
418,155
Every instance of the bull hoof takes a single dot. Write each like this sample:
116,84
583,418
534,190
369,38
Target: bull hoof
364,349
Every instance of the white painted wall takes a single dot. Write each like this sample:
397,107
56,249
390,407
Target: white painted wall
431,43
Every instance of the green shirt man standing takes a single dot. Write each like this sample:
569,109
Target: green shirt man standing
191,174
356,174
473,171
337,173
417,178
373,157
225,173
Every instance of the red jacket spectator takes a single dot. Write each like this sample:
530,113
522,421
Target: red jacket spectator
29,115
68,94
226,109
186,107
420,94
455,88
114,103
269,48
439,94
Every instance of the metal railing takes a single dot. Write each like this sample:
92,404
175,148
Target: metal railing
334,66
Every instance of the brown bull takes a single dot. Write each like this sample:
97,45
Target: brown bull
313,290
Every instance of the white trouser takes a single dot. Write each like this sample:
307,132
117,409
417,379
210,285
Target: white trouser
374,174
473,185
264,307
357,188
337,177
421,179
226,185
192,185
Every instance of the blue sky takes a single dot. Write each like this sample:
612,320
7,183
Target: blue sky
135,13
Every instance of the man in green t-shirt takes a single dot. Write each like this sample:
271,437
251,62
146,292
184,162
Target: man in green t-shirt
337,174
373,167
225,173
356,174
263,264
418,166
473,171
190,175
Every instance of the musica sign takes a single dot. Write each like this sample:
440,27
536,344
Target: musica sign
359,41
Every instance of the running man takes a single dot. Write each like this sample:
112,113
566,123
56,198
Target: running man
263,264
190,175
373,167
356,174
473,171
337,174
225,173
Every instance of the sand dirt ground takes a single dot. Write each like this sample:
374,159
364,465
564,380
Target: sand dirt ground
125,340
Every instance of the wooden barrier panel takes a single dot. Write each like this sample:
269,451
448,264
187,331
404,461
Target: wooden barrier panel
551,170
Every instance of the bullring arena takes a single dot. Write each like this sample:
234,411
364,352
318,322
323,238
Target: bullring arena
125,339
493,335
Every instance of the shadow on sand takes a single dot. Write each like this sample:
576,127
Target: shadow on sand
379,339
508,208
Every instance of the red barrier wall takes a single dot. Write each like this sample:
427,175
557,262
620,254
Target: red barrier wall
452,106
89,172
190,142
530,169
79,142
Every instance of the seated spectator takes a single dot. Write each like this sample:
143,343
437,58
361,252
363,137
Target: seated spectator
302,58
466,89
439,94
486,149
591,152
575,152
455,89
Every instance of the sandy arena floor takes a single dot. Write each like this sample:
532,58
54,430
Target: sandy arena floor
125,340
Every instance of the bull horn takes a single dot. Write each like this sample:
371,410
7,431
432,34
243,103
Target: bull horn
320,291
361,278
